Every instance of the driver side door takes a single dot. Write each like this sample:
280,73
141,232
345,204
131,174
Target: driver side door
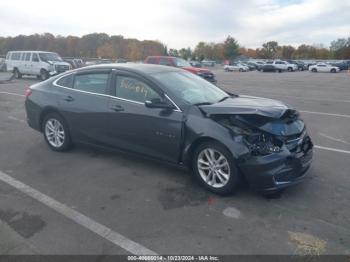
134,127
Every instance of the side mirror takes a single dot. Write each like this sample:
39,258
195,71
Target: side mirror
158,103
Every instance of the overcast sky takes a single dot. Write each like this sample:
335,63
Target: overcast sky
182,23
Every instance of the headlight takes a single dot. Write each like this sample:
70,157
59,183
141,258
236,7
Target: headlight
263,145
257,142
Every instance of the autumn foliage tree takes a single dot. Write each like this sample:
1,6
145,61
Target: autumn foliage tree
91,45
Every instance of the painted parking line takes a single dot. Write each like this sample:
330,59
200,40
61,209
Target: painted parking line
99,229
16,119
323,113
332,149
13,94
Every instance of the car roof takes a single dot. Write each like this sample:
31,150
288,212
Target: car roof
133,67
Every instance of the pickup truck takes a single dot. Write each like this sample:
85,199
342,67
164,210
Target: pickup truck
179,62
283,66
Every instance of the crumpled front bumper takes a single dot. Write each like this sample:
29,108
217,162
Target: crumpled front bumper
277,171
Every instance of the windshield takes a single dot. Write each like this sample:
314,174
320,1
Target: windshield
50,57
189,87
181,63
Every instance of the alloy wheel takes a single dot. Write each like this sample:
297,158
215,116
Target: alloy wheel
213,168
54,132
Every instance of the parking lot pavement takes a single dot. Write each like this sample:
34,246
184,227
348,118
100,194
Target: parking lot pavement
161,207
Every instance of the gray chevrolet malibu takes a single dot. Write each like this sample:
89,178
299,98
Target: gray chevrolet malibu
173,115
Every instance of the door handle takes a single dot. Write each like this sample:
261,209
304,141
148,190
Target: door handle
118,108
68,99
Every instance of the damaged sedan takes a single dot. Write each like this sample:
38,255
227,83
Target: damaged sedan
172,115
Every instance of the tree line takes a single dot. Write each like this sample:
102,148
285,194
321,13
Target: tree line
96,45
101,45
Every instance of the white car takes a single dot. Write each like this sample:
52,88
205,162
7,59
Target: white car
38,63
283,66
321,67
236,67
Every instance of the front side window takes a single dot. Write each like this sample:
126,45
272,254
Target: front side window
164,61
189,87
134,90
92,82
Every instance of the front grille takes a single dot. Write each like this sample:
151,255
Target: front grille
61,68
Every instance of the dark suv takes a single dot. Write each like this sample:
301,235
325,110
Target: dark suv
179,62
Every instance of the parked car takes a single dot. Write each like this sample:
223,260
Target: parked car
173,115
74,62
341,65
252,66
121,60
322,67
283,65
236,67
206,62
301,65
259,65
38,63
179,62
195,64
269,68
3,67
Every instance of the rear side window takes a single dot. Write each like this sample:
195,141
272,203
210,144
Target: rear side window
66,81
152,60
15,56
93,82
134,90
27,57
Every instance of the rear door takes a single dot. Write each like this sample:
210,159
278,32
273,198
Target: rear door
27,63
133,126
83,102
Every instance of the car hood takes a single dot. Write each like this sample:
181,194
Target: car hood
247,105
58,63
269,115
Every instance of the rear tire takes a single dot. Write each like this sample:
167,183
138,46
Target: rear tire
314,70
214,168
290,69
17,74
56,132
333,70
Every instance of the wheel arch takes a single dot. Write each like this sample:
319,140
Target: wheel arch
188,153
48,110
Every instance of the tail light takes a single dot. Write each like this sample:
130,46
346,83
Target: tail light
28,91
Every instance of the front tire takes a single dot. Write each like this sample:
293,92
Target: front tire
44,74
314,70
56,133
333,70
214,168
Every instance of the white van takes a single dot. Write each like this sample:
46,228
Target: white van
39,63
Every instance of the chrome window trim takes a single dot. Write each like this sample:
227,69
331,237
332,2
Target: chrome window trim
115,97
